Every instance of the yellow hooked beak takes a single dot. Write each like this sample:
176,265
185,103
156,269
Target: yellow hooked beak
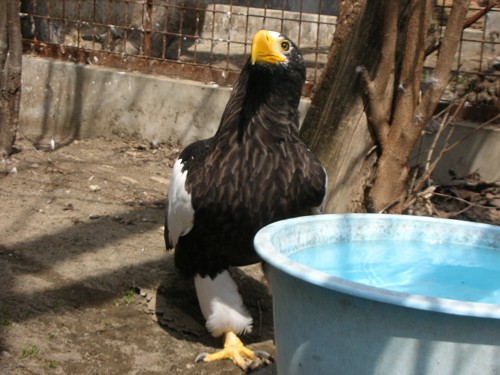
267,46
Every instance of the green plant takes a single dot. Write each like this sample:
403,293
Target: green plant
5,316
57,306
127,298
31,351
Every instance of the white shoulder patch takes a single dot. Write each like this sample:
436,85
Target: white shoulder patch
180,215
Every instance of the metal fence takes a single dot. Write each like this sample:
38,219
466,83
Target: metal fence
202,40
476,70
208,40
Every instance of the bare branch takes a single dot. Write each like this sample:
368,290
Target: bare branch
456,213
467,23
385,71
445,122
405,125
413,59
444,61
442,125
480,13
377,111
471,204
389,206
476,129
380,89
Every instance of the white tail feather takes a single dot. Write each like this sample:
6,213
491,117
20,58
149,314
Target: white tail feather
222,305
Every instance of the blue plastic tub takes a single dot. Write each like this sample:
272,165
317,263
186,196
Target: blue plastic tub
345,304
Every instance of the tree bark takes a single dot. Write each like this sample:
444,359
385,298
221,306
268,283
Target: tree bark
412,108
385,40
335,127
10,78
389,186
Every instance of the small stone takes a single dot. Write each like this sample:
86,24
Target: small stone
94,188
68,207
128,180
160,180
94,216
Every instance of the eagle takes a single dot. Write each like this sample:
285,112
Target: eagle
254,171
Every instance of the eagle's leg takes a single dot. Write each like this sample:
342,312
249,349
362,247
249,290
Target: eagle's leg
225,314
233,350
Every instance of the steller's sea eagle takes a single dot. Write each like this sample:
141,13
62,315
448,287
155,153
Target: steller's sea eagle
255,170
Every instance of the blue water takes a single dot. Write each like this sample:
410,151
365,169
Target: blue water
443,270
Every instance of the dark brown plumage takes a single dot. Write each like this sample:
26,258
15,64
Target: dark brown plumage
254,171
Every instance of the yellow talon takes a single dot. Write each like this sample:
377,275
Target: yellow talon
233,349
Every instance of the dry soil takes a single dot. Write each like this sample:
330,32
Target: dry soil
86,284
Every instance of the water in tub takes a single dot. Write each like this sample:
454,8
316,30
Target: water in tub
433,269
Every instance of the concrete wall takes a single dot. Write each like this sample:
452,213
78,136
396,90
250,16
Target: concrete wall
71,101
475,152
76,101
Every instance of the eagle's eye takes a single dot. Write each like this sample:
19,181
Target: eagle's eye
285,46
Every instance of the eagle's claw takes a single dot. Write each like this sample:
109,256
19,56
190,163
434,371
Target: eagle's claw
241,356
200,357
263,355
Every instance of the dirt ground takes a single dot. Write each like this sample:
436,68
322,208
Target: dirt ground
86,284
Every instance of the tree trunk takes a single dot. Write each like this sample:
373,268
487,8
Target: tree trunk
400,133
10,77
335,127
385,40
412,108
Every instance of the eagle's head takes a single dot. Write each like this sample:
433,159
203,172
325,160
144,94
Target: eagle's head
276,68
274,51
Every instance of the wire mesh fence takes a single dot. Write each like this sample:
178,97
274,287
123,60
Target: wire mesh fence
476,69
197,39
208,40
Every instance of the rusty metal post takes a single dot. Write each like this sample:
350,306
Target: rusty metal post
148,27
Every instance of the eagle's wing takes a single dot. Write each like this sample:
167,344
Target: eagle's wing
180,211
321,208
